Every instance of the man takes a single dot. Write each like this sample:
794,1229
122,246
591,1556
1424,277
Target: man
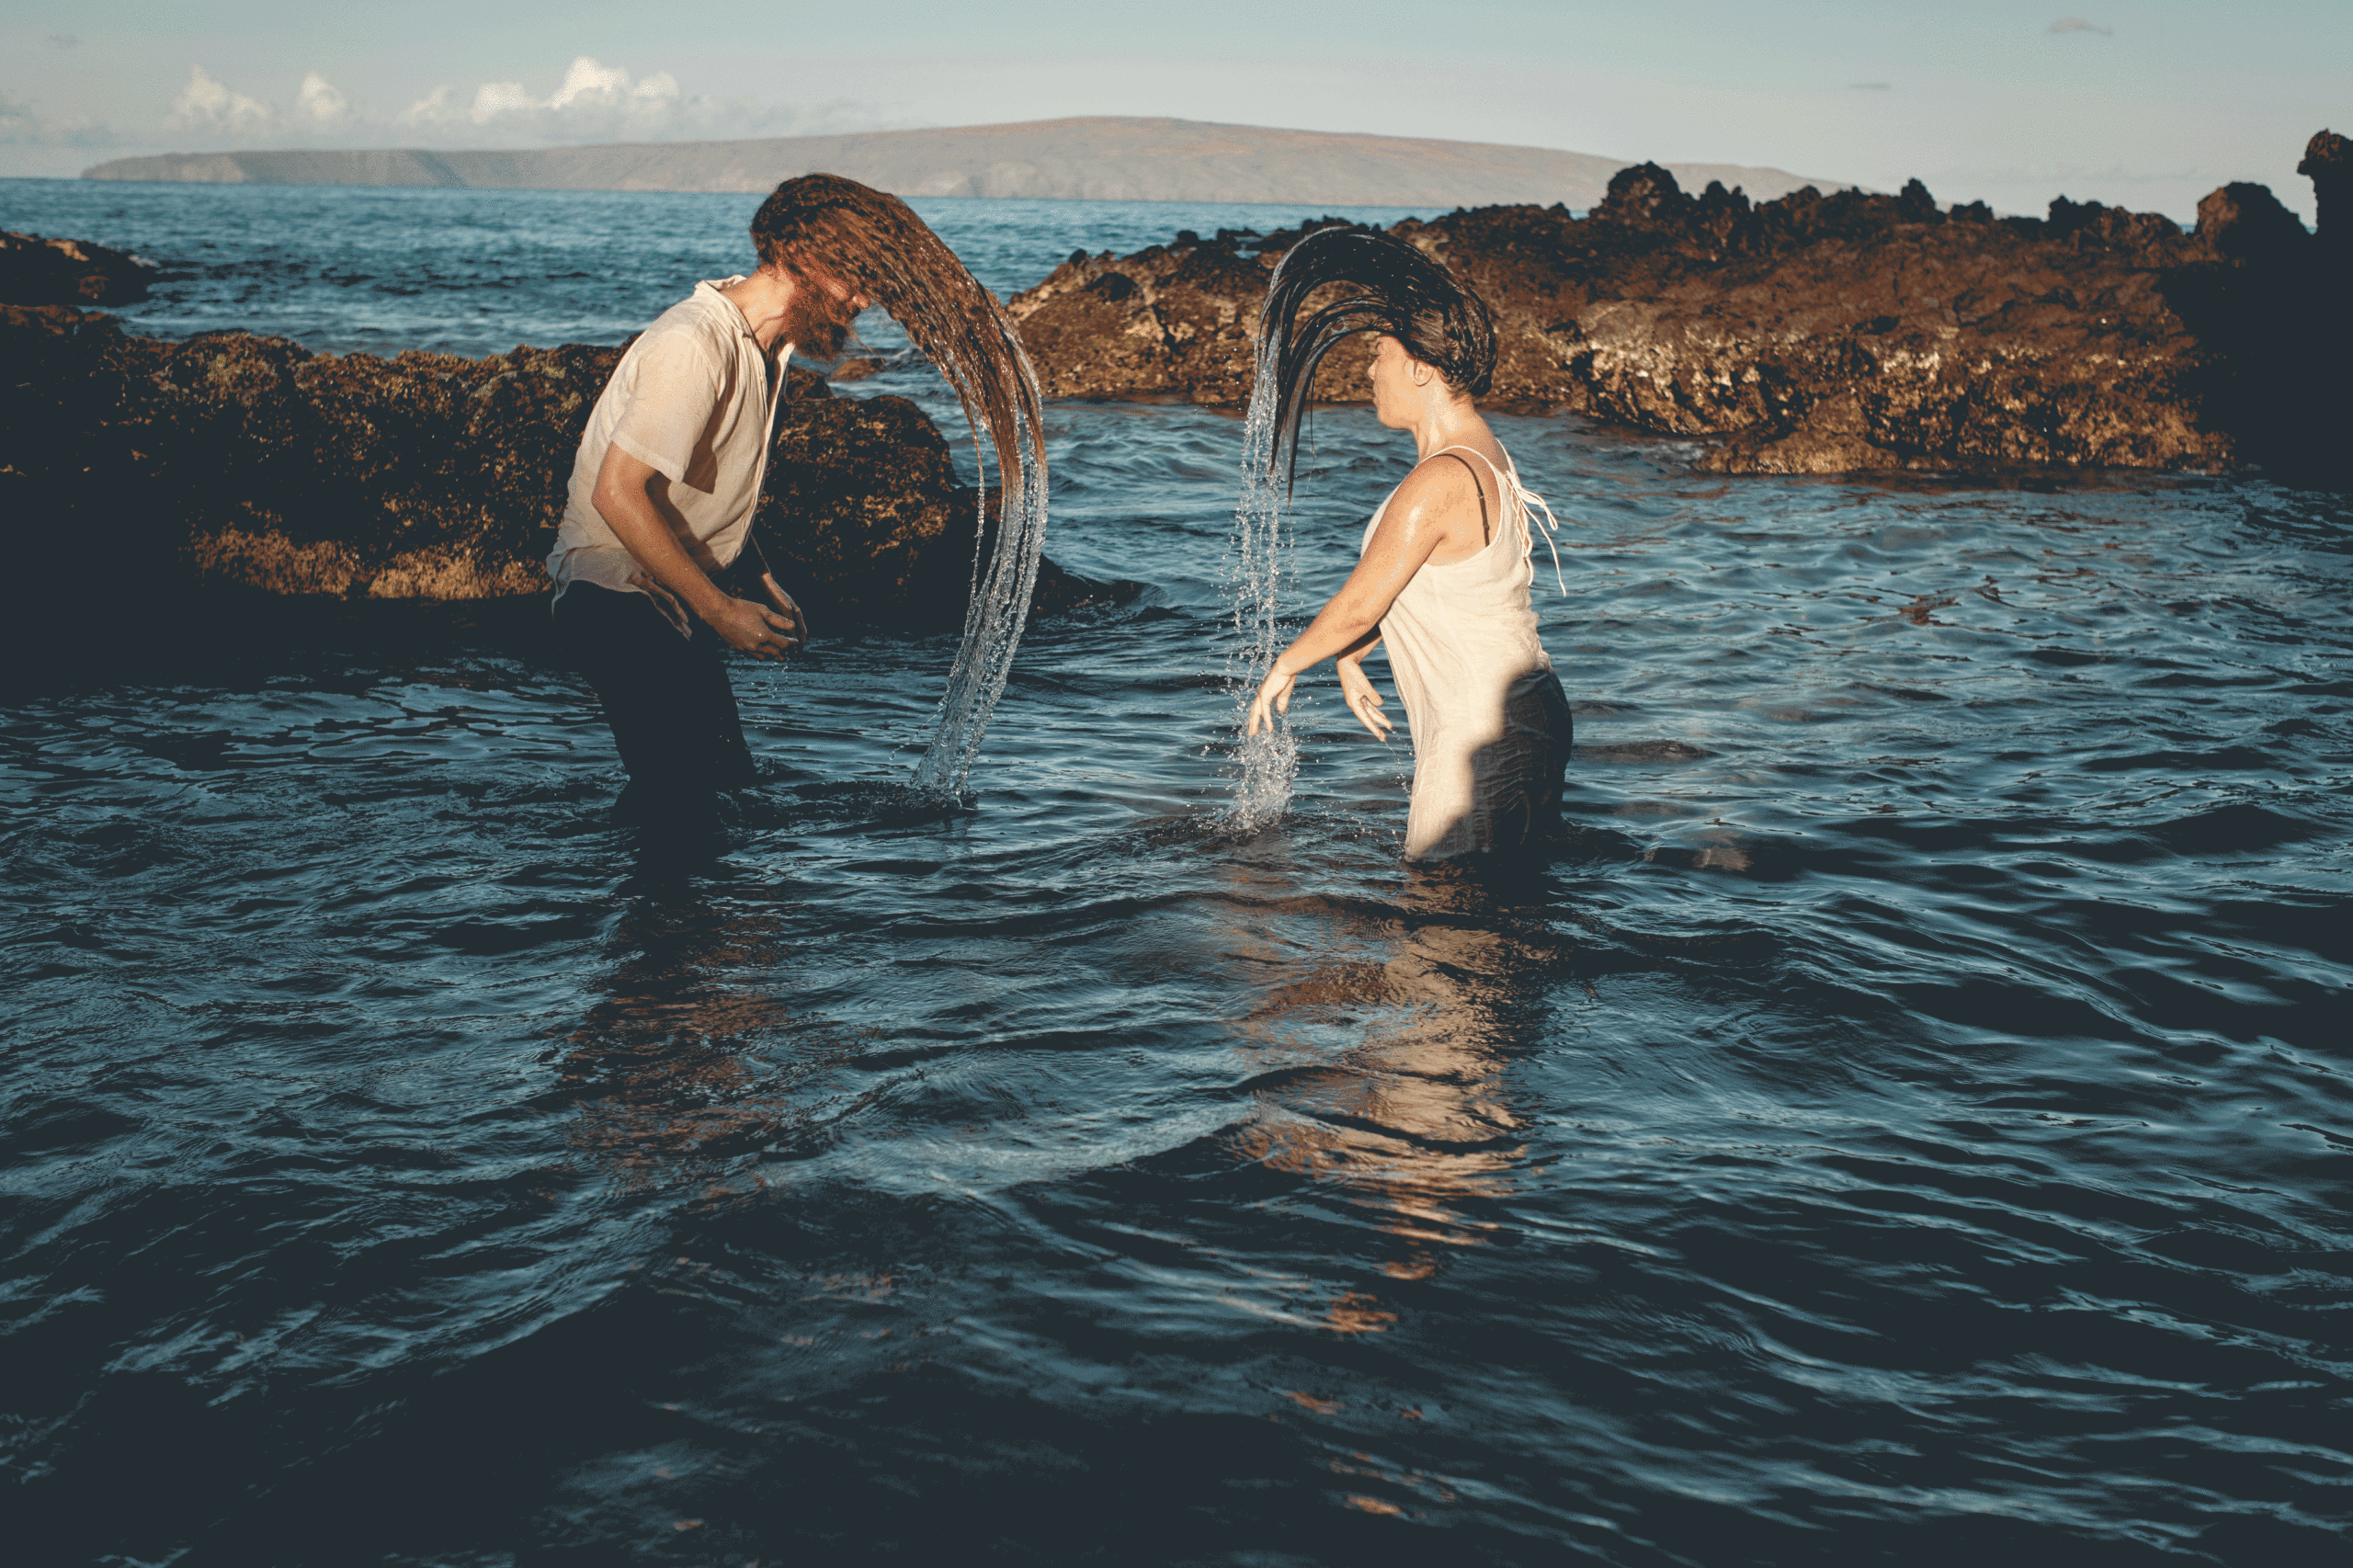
653,580
660,508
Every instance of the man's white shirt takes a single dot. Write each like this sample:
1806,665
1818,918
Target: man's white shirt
693,400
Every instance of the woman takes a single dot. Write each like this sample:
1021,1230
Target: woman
1444,570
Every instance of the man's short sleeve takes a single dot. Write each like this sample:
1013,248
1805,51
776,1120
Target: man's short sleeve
673,392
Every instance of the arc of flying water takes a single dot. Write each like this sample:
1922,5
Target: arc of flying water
1369,281
876,243
998,610
1258,568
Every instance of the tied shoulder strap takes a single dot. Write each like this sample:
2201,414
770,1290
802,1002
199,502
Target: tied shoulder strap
1528,498
1551,532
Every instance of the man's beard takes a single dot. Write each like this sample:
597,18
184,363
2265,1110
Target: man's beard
817,325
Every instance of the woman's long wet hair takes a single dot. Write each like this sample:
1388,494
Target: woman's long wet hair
1391,288
834,226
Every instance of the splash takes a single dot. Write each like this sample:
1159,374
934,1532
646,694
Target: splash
1367,281
1258,569
833,227
995,614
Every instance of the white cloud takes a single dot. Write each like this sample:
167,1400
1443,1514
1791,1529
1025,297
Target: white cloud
592,102
433,105
495,98
205,103
588,79
23,126
588,85
596,102
2078,24
320,100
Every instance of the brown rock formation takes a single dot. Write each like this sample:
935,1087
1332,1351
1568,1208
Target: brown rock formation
1810,335
130,462
35,272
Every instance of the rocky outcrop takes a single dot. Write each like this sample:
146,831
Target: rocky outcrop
2328,163
1177,321
35,272
250,461
1815,334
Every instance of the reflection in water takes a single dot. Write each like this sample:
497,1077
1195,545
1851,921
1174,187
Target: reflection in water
672,1066
1414,1125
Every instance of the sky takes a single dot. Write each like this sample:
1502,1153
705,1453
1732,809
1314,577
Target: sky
2147,104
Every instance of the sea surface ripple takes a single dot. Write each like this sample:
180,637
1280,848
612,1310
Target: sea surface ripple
1902,1121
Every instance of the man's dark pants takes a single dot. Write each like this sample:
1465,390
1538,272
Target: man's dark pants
667,698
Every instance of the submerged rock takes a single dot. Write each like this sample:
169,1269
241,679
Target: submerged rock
249,460
1811,335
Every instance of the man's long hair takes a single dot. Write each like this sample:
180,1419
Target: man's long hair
1387,285
825,225
828,224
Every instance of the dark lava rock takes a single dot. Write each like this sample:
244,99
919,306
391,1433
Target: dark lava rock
35,272
863,519
1815,334
142,465
2328,163
1177,321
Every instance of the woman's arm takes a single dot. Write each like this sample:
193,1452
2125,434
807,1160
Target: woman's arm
1363,698
1427,510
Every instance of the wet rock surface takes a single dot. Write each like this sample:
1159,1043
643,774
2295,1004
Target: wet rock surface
1815,334
248,463
37,271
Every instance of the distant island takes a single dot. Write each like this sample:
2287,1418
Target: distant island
1101,158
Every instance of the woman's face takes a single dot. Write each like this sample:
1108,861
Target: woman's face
1395,398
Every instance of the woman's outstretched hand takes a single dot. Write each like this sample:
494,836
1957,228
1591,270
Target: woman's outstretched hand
1364,699
1274,697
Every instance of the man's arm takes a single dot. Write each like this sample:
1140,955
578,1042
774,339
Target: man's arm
625,499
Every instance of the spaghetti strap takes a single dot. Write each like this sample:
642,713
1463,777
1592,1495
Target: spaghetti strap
1482,457
1486,534
1508,487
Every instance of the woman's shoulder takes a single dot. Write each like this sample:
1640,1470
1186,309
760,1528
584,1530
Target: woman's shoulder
1443,479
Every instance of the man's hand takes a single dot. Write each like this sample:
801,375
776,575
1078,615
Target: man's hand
783,602
756,630
627,497
1364,699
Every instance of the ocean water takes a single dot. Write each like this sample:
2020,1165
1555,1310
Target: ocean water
1905,1119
